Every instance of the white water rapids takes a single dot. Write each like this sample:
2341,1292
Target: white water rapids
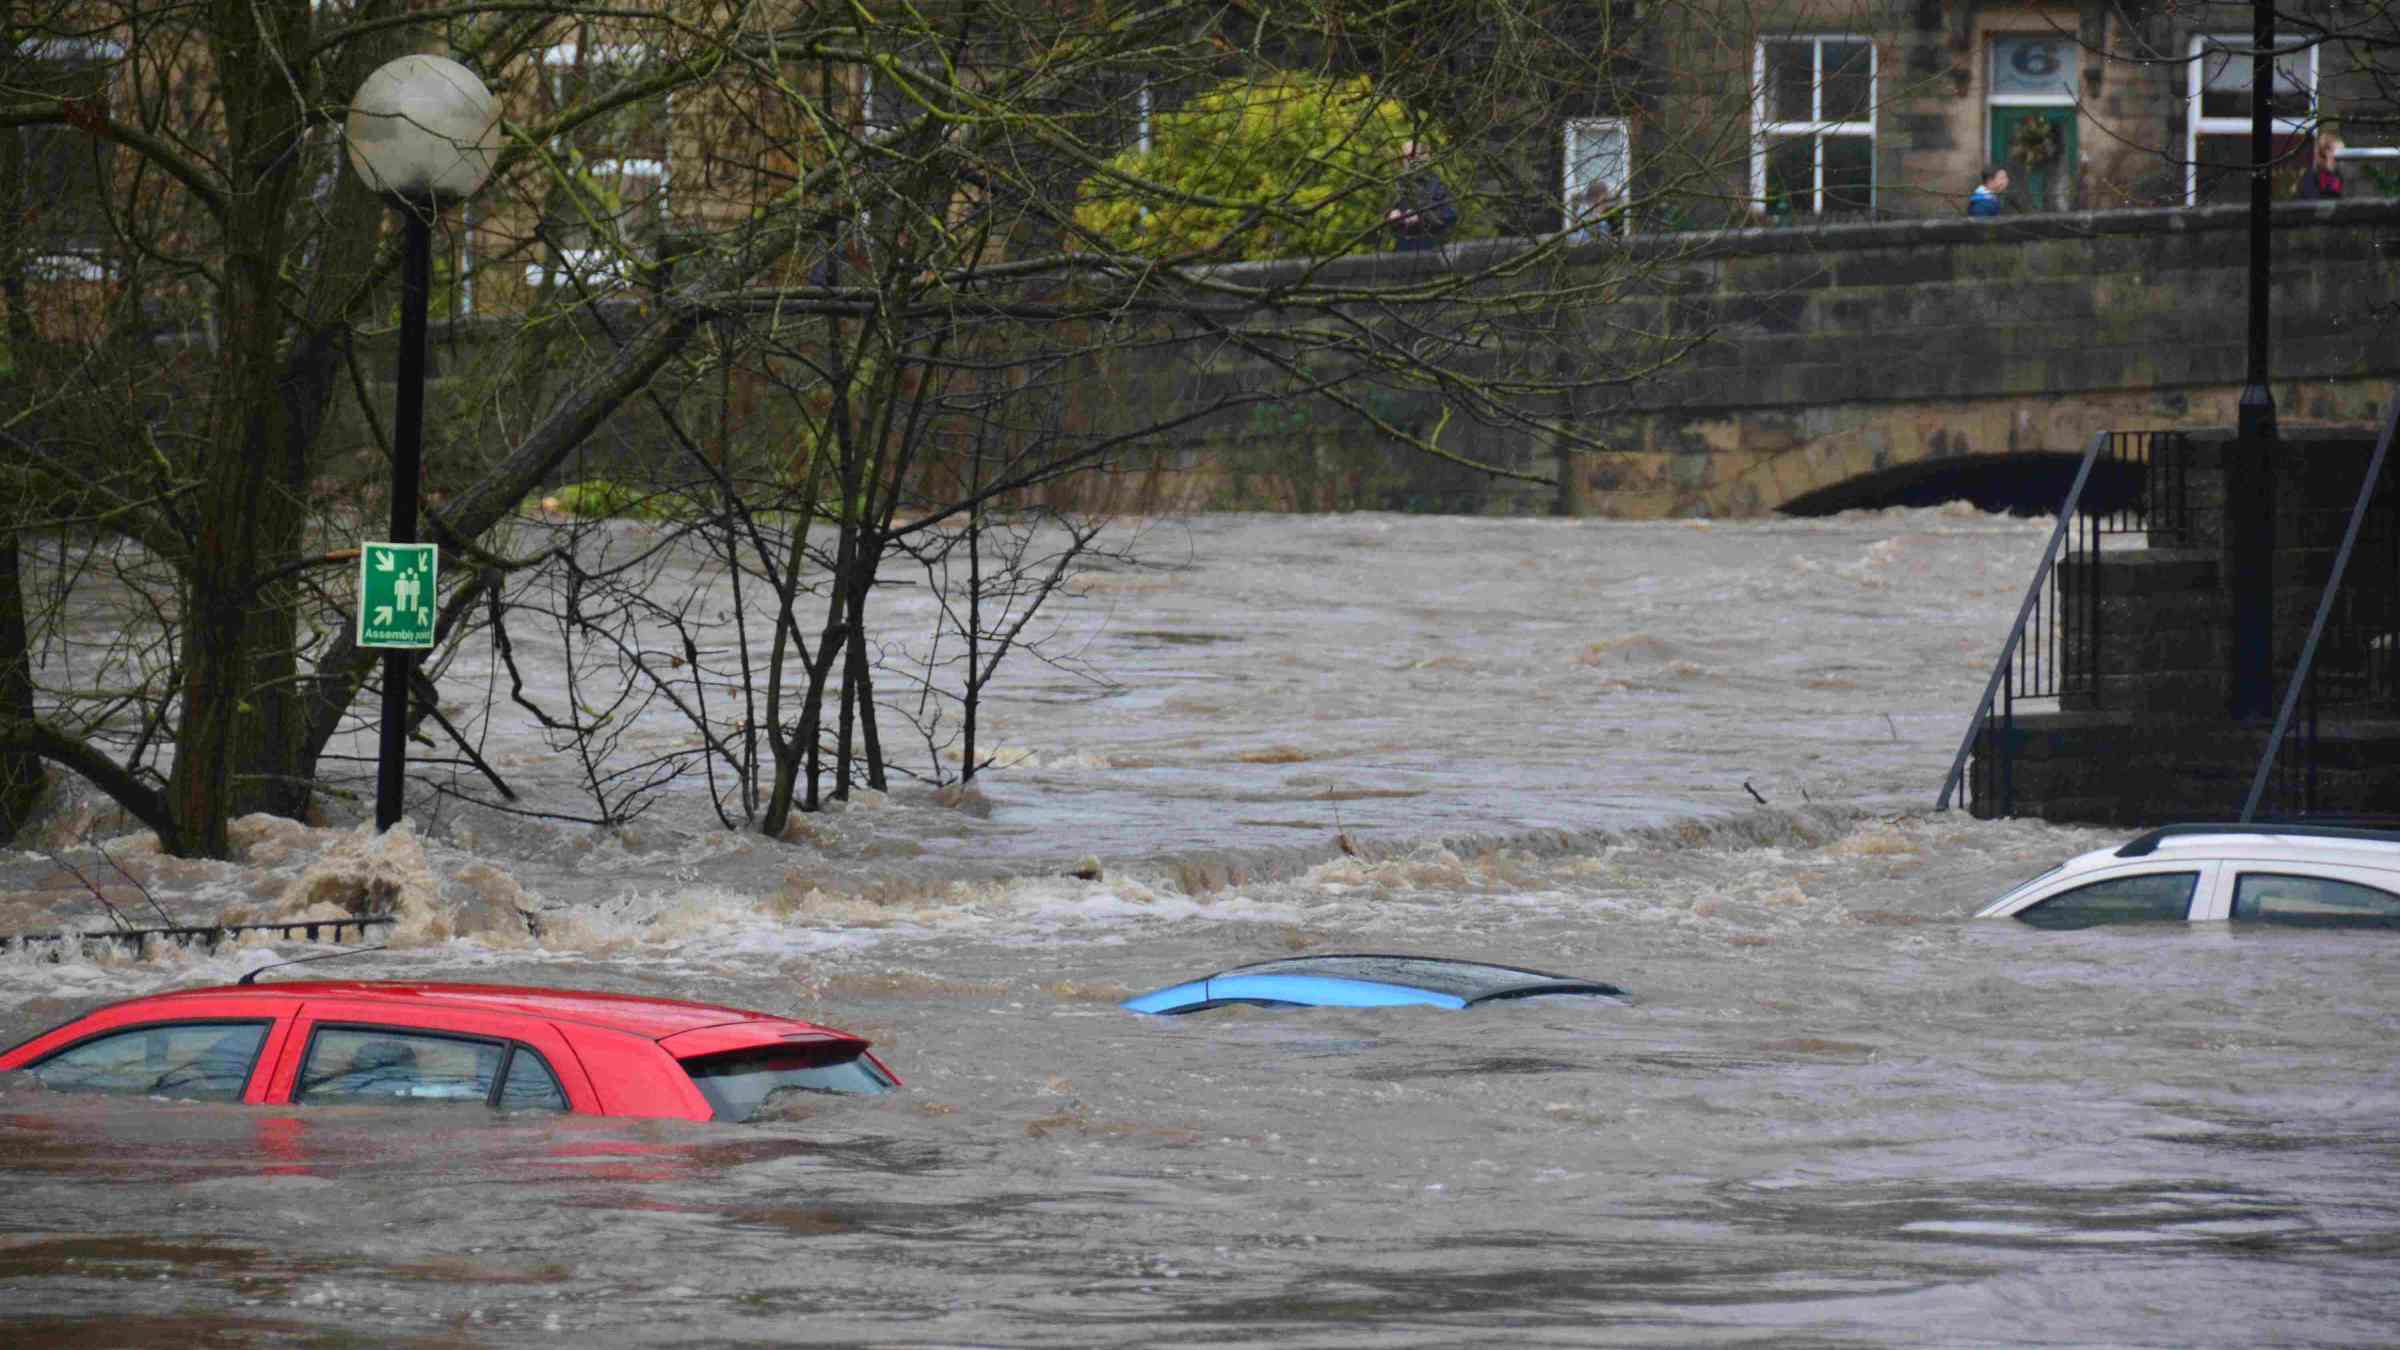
1837,1111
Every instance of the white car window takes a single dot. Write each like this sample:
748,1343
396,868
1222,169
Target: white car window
2287,898
2140,898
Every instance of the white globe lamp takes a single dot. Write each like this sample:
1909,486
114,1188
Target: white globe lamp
423,129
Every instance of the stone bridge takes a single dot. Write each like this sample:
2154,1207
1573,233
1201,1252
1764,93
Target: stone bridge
1922,360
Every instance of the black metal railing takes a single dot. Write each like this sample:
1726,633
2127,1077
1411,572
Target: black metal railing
2053,650
2346,665
204,936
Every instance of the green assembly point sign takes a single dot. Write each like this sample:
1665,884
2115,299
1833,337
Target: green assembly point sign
395,594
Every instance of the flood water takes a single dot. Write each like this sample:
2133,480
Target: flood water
1836,1111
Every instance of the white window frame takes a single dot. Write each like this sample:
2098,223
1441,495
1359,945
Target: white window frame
2195,85
599,266
1573,157
1762,130
466,258
71,267
71,49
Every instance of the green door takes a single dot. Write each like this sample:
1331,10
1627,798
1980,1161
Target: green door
2046,183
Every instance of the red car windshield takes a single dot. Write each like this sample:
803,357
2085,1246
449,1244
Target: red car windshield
739,1083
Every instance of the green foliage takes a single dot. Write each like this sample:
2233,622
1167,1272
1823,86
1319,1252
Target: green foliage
599,498
1287,166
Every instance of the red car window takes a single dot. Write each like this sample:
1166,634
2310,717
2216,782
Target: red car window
386,1066
525,1057
528,1084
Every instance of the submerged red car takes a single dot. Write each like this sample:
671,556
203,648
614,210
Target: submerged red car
415,1043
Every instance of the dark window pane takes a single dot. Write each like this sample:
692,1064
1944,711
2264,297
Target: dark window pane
2152,897
65,169
1849,173
2263,897
351,1064
2227,75
1849,94
2224,82
202,1061
1791,176
1791,81
2221,168
530,1086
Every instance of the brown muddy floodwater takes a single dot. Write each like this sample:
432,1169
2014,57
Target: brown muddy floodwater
1837,1111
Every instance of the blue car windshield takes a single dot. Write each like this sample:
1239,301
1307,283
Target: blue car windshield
1468,980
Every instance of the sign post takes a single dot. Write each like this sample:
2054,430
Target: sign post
395,612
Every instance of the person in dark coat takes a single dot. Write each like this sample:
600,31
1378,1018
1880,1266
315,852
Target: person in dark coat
1424,212
2322,179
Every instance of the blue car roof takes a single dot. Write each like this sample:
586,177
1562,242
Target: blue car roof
1364,981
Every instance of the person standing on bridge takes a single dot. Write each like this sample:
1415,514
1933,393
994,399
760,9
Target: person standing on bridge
1424,212
1594,217
1985,201
2321,181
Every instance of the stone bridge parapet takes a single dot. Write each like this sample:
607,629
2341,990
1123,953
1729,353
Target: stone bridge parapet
1834,354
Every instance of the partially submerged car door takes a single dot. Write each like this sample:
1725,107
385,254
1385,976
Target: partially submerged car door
340,1051
221,1052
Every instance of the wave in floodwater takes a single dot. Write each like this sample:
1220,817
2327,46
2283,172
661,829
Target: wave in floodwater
1689,759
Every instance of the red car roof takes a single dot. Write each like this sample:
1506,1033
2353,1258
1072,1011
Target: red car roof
638,1014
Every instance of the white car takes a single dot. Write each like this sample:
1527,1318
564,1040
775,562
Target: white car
2310,875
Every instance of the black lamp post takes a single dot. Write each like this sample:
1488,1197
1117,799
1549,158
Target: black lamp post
2258,399
2251,469
422,132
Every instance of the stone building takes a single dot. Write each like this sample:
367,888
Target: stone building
1880,109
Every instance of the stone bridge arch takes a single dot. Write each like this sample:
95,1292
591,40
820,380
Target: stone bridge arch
2019,482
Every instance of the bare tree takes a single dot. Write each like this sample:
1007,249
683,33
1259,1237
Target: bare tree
859,320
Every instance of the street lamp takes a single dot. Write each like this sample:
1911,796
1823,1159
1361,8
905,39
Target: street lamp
422,133
2250,477
2257,409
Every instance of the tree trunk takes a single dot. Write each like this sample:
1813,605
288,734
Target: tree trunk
22,777
238,656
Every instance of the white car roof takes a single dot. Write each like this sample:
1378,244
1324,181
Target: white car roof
2193,844
2296,843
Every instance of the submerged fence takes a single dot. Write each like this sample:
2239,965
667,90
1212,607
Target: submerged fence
207,937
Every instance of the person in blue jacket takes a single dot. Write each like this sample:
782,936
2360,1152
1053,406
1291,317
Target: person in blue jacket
1986,199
